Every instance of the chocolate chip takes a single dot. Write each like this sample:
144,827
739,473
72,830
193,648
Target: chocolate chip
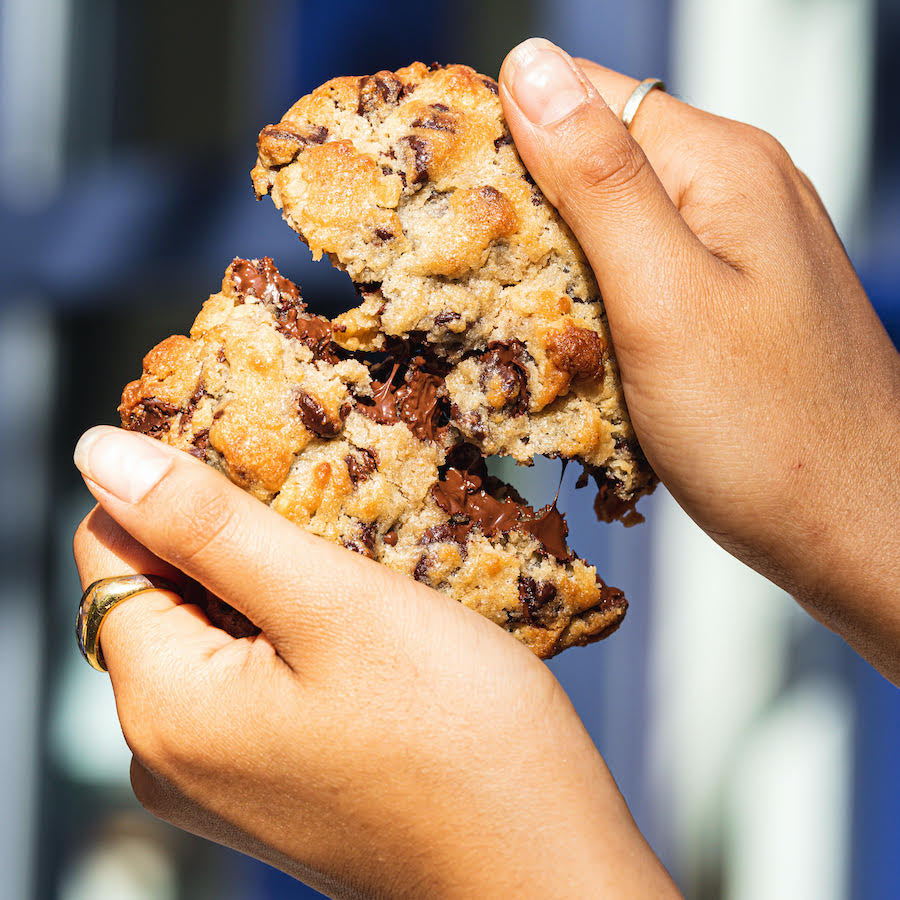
503,140
444,317
314,417
314,331
420,573
504,376
491,85
390,538
383,234
419,153
438,118
458,532
151,416
361,466
534,596
200,444
380,89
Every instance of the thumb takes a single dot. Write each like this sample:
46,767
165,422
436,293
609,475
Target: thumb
598,177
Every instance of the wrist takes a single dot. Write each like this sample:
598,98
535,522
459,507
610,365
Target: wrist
846,558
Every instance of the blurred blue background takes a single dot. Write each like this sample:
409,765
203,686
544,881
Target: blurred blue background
757,753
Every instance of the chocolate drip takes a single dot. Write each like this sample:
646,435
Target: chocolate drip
466,493
416,402
314,416
461,494
549,527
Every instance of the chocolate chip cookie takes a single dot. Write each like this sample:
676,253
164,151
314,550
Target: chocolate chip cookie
364,451
410,182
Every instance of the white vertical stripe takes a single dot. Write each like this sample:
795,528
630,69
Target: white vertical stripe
34,60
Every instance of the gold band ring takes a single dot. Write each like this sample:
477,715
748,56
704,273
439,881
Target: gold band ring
637,97
98,601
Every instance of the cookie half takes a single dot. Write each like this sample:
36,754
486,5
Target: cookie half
410,182
363,452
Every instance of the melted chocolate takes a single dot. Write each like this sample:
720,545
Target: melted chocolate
534,596
314,417
382,88
549,527
261,279
421,157
390,538
314,331
502,364
438,118
416,402
151,416
461,494
362,466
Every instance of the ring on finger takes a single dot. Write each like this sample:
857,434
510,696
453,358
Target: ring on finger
637,98
100,598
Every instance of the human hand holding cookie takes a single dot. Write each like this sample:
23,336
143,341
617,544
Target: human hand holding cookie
364,739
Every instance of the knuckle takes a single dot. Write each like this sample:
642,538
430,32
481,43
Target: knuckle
765,153
612,168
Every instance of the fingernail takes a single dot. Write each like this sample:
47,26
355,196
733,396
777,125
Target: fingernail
544,82
124,464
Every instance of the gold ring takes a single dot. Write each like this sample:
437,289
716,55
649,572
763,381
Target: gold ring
637,97
98,601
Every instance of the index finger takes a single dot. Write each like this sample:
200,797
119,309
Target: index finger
678,139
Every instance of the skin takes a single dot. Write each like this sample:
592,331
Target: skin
379,740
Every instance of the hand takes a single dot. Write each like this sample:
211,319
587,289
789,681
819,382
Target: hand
762,386
375,739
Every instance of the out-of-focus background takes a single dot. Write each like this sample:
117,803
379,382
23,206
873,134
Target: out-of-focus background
757,753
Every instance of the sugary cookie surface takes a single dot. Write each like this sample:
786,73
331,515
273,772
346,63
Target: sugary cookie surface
410,181
362,452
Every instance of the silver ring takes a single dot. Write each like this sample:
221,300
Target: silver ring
637,97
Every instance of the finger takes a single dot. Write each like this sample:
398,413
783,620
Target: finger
665,127
179,633
299,589
600,179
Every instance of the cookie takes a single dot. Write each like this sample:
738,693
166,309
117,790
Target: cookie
410,182
362,451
